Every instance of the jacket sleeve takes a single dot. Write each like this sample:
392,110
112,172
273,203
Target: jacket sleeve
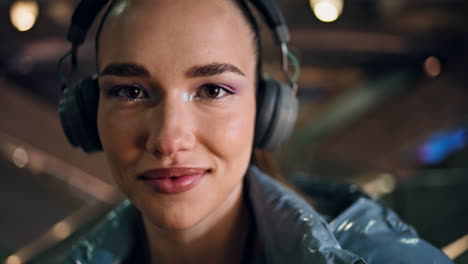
378,235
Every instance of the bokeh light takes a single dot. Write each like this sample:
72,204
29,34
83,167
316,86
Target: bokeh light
61,230
20,157
442,144
327,10
13,259
23,14
432,66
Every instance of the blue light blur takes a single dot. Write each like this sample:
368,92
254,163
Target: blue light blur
442,144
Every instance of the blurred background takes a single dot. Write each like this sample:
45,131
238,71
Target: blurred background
384,105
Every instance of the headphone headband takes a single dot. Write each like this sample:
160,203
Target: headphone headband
274,19
82,19
87,11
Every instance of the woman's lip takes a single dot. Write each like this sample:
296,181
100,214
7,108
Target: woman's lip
172,172
173,180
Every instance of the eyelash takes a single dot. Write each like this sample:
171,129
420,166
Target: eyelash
222,88
115,91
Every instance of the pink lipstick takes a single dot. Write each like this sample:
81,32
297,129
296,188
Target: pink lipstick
173,180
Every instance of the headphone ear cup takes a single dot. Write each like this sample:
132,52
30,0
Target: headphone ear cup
78,114
276,115
266,101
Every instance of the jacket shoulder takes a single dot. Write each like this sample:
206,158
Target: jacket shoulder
105,241
373,231
367,227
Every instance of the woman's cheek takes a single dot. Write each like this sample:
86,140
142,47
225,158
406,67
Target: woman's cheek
230,134
119,136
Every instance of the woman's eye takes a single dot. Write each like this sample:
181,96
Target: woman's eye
213,92
131,92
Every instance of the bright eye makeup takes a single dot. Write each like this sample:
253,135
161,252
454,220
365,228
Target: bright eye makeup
213,92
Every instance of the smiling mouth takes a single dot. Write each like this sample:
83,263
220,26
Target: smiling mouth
173,180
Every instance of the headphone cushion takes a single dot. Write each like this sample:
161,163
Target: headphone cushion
78,114
266,101
277,123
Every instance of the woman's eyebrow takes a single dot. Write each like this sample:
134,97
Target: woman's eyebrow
125,70
211,69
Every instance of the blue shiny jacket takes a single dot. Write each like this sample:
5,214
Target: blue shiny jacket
361,230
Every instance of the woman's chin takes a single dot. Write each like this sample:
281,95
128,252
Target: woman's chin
175,221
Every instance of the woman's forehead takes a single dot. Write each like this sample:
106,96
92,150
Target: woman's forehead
194,32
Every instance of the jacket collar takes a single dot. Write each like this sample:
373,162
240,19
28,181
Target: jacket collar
290,230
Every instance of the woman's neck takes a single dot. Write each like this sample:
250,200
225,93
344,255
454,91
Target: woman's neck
220,238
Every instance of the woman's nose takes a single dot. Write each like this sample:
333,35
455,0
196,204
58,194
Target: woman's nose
170,129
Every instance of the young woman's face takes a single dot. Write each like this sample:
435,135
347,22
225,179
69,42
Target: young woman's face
177,91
